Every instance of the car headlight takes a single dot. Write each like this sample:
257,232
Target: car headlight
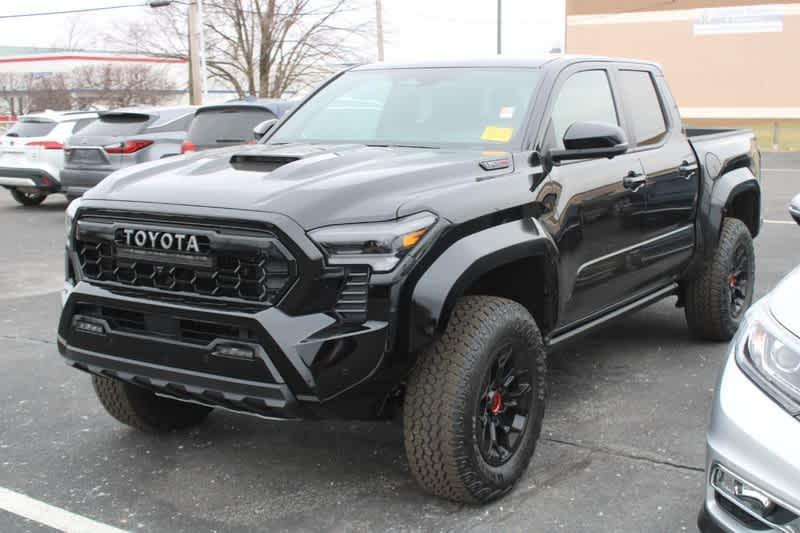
69,218
770,356
381,245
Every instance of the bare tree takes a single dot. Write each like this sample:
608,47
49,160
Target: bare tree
50,92
15,91
267,48
121,85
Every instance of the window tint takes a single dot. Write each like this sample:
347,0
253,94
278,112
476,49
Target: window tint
639,93
31,128
116,125
226,126
585,96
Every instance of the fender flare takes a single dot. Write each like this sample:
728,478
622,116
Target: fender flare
464,262
714,207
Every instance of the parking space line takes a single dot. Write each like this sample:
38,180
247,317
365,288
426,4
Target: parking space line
779,221
51,516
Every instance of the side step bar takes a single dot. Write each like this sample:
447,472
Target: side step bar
572,334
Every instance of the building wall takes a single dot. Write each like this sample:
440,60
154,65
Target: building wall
593,7
744,75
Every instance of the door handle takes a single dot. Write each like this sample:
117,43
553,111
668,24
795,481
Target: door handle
634,180
687,170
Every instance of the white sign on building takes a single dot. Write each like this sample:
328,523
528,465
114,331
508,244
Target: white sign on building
744,19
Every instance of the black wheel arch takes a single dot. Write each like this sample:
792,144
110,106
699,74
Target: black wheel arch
516,260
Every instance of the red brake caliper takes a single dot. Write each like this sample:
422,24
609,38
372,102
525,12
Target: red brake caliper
496,405
731,281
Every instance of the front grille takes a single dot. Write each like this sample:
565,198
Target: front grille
228,265
197,332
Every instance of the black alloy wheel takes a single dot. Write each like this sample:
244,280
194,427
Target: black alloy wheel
505,405
738,281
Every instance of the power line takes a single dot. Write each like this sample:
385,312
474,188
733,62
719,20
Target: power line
69,11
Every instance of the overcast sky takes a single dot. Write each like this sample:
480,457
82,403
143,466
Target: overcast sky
415,29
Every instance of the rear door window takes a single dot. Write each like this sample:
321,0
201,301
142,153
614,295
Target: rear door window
31,128
226,126
640,97
116,125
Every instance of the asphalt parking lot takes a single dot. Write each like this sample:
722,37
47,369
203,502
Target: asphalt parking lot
622,446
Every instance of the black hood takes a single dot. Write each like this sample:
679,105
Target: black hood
313,184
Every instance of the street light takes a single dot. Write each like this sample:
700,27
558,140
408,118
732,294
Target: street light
197,48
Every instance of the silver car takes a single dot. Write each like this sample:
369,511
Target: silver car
119,139
753,441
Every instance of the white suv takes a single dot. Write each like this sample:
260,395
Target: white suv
32,153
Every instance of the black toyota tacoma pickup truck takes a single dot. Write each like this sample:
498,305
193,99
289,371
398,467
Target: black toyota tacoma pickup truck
411,239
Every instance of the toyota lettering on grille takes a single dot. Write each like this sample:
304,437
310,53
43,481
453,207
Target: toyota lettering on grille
161,240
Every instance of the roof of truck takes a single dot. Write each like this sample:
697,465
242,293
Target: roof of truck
502,61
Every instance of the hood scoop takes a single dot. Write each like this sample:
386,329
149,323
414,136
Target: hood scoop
260,163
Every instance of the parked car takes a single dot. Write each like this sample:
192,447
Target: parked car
230,123
32,153
752,463
122,138
427,252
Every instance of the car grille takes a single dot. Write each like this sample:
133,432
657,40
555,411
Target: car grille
230,263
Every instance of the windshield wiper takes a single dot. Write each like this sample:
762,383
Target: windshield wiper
230,140
403,146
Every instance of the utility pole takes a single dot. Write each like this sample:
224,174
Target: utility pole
195,50
197,47
379,24
499,27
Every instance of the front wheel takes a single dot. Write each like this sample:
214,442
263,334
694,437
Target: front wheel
28,199
475,402
718,296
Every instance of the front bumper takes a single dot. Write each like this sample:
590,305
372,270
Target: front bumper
755,440
303,365
76,181
40,179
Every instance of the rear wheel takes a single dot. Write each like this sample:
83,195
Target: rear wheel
717,298
474,404
28,198
144,410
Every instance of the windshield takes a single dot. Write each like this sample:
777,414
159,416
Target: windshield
416,107
31,128
222,126
116,125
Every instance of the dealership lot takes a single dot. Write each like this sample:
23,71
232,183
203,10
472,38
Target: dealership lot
622,446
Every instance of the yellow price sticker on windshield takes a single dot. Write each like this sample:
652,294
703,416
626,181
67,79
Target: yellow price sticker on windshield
497,134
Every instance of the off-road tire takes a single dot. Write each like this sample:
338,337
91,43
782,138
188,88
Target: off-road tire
442,402
28,199
145,411
709,311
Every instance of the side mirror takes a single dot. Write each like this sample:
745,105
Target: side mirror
589,140
794,208
263,128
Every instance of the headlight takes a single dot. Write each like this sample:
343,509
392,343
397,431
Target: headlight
380,245
69,218
770,356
